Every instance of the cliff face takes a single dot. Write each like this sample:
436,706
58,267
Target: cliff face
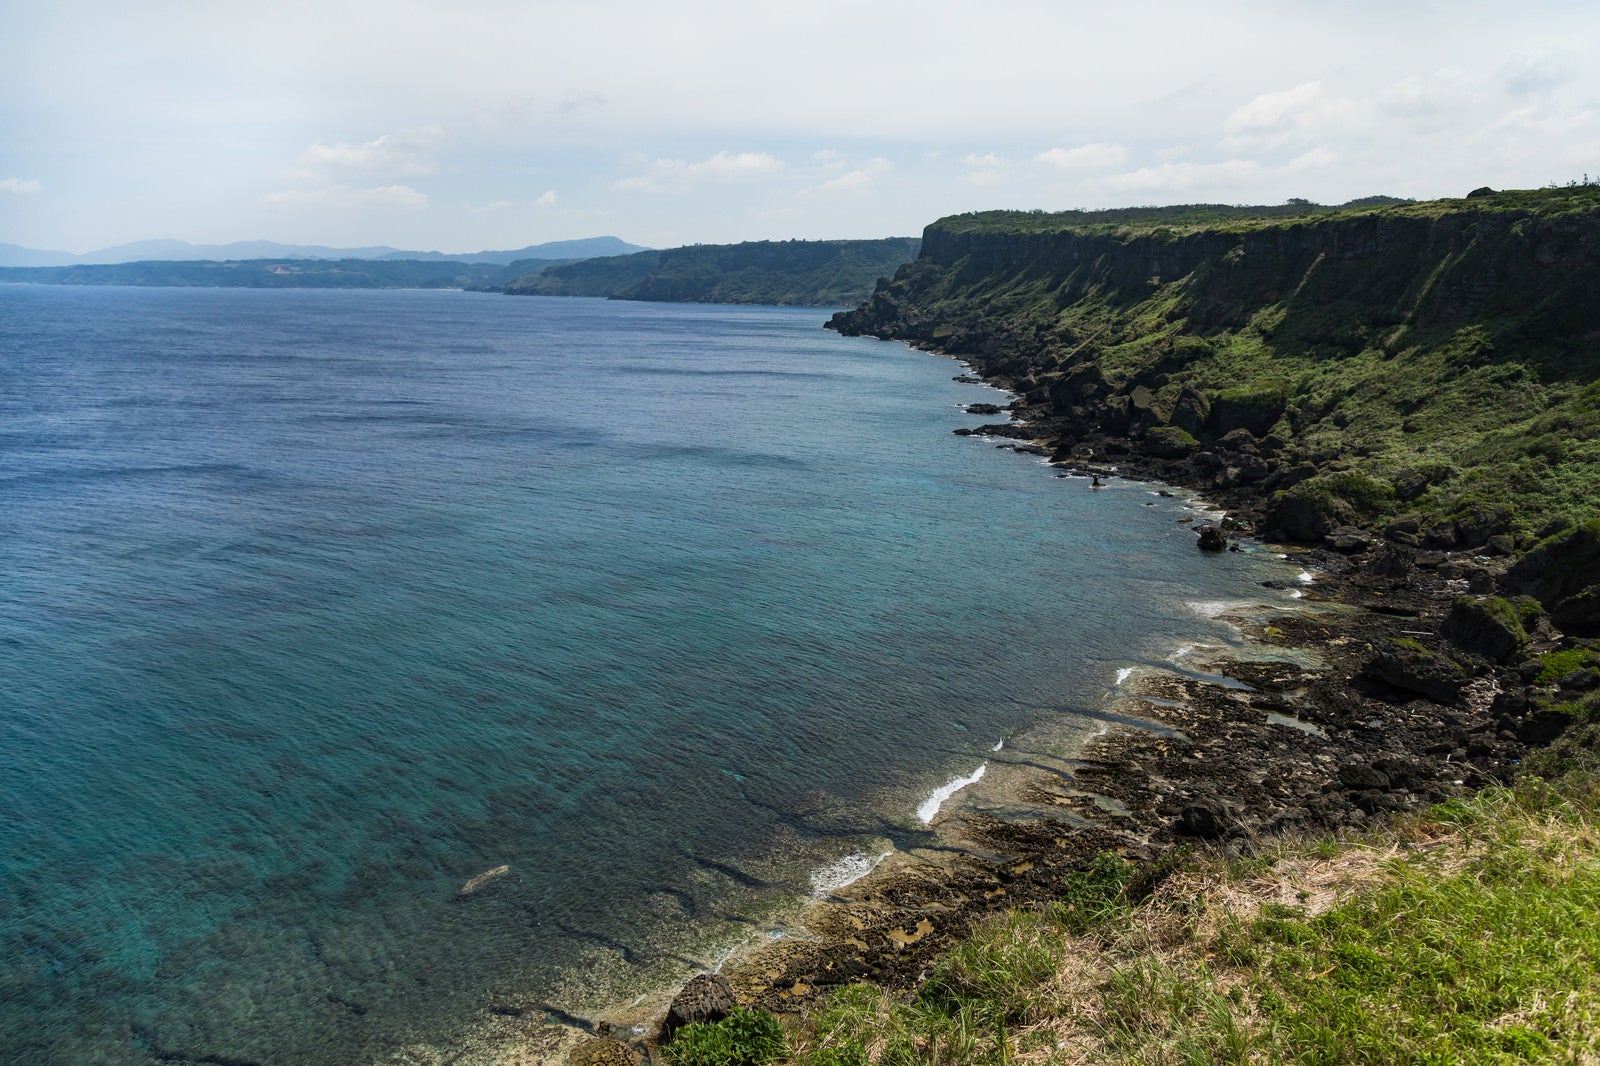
1434,362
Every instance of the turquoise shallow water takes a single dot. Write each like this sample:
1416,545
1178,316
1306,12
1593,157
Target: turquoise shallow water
314,605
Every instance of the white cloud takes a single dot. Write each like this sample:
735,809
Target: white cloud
1270,112
1305,114
348,196
679,176
491,206
730,167
1315,157
407,152
19,187
547,199
988,159
1085,156
860,179
1180,177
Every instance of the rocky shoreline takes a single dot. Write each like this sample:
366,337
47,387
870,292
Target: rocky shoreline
1371,695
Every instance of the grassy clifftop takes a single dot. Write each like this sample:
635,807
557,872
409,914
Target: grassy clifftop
1440,358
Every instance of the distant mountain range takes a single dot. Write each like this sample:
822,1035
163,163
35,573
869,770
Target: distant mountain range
13,255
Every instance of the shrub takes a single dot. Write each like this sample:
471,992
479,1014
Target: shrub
744,1038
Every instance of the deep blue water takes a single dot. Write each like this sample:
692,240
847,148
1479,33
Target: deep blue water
314,605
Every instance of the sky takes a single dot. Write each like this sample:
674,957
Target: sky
488,124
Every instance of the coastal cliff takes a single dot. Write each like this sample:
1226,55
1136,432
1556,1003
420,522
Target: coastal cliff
1431,363
1411,391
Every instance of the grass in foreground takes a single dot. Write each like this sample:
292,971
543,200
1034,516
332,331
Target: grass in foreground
1470,935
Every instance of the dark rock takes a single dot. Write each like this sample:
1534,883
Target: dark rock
1191,410
1501,544
1299,518
1563,573
1440,535
1478,522
1238,440
1168,442
1211,539
1358,776
1348,541
1491,627
1414,669
1580,680
706,998
1202,822
1391,562
983,409
1410,525
1011,430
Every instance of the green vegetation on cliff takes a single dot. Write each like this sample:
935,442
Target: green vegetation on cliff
1436,359
804,273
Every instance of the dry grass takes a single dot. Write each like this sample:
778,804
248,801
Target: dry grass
1471,935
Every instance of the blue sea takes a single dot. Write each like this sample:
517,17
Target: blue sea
315,606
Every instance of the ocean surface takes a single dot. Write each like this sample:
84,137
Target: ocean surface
316,605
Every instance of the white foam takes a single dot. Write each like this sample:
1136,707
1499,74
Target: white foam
1123,673
1210,608
998,745
1306,577
930,806
845,871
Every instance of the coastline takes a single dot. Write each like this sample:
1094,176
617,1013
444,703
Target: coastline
1283,732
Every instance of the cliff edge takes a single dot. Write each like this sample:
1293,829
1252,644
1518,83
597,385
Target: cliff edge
1429,364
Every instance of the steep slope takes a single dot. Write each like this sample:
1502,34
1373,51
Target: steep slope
1431,362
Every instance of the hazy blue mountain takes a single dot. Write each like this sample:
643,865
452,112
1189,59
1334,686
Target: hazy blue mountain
587,248
15,255
12,255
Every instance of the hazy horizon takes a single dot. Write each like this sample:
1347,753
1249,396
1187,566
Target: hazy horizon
497,125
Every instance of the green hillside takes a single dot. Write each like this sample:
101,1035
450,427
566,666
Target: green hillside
803,273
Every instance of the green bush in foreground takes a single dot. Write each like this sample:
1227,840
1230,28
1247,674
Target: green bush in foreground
744,1038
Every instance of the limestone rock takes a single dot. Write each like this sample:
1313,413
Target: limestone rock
706,998
602,1051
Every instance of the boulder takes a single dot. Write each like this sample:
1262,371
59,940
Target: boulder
1413,669
1348,541
1211,539
1390,562
1563,573
1206,823
1491,627
1168,442
706,998
1359,777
